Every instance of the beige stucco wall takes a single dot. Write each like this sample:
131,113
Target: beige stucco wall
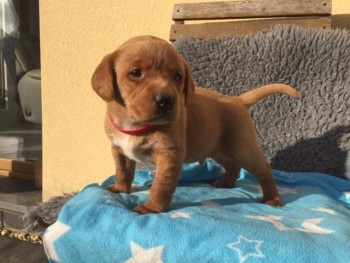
74,36
341,7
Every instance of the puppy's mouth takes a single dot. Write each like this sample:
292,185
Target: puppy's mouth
160,119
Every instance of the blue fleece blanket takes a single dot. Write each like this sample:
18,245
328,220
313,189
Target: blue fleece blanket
206,224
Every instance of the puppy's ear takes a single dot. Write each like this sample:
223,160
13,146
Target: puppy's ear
102,80
189,84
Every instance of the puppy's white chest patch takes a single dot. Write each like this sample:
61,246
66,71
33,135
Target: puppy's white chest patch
133,152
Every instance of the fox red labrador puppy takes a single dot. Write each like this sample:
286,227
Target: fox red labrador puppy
156,115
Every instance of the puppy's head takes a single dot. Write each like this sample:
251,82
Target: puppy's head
147,77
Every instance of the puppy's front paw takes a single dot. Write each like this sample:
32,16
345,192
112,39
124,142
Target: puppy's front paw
224,183
117,188
146,209
276,201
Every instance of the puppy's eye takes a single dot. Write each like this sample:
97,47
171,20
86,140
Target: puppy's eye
178,76
136,73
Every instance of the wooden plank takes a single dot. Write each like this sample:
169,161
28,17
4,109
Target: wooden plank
17,166
17,175
240,28
251,9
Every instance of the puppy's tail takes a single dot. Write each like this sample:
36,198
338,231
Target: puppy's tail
253,96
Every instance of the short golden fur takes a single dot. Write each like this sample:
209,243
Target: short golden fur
146,82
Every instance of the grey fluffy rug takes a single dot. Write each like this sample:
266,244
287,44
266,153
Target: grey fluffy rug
39,217
310,134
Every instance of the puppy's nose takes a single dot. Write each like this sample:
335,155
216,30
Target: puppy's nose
164,102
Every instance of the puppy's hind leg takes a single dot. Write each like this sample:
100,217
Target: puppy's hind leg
255,163
268,184
230,176
245,151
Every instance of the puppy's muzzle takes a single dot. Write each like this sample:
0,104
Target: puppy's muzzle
164,103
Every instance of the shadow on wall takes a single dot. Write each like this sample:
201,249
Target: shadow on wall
322,154
341,21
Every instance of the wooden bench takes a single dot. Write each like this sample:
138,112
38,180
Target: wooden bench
237,18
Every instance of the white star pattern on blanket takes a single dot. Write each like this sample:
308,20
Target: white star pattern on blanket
285,191
141,190
307,225
282,191
140,254
325,210
180,214
347,194
246,248
311,226
53,233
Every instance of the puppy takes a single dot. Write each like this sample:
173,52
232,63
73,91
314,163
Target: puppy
156,116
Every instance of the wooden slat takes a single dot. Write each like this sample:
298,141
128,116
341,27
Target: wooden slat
17,175
240,28
17,166
251,9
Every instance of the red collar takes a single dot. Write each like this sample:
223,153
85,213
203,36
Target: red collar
136,131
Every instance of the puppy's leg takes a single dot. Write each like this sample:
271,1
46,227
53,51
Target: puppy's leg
253,161
231,174
164,185
125,169
245,151
268,185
